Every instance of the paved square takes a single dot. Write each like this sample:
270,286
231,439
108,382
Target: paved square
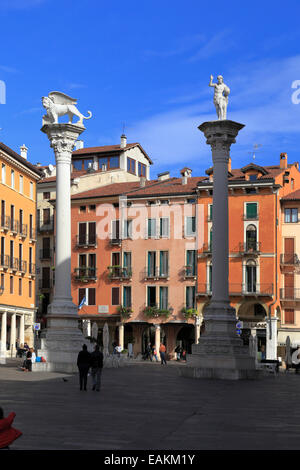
149,406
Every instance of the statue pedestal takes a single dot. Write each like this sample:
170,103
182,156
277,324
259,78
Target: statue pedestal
220,352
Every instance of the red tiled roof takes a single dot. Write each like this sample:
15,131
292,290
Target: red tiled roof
294,196
109,148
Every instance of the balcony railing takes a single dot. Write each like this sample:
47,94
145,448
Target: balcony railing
13,263
32,234
250,247
23,229
262,290
86,240
45,254
5,222
289,293
115,240
32,269
289,259
22,266
46,226
157,273
85,273
189,271
4,261
119,272
13,226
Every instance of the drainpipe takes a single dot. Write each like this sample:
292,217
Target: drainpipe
276,274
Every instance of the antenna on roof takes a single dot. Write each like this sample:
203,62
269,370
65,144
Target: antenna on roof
123,132
255,147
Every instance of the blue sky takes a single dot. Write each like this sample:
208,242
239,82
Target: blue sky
147,65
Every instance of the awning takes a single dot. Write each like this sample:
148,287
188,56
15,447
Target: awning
294,337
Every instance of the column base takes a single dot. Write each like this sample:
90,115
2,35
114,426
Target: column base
220,353
63,339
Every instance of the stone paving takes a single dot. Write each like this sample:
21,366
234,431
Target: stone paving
149,406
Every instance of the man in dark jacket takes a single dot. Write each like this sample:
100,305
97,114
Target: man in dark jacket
97,365
83,364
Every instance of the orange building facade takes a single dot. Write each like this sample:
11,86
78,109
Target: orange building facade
17,249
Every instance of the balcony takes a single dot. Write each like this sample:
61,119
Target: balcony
117,272
155,311
85,274
13,226
289,259
4,223
22,266
46,226
156,273
190,272
205,250
32,269
85,241
4,262
243,290
250,216
115,241
289,293
13,263
32,234
250,247
23,229
45,254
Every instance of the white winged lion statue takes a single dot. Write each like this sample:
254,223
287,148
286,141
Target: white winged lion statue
58,104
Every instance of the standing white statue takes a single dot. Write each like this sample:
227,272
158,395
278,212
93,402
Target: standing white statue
220,96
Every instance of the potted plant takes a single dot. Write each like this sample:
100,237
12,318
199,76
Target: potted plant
189,312
125,312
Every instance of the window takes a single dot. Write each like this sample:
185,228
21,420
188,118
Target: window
251,238
12,179
90,295
11,285
164,263
251,191
115,235
131,165
291,215
163,298
251,276
127,263
2,281
115,296
92,208
46,216
151,296
87,163
126,296
31,190
151,264
77,165
210,212
191,262
251,210
20,286
164,227
142,169
3,174
21,184
46,195
151,228
190,297
30,289
252,177
127,228
109,163
190,227
289,316
87,233
82,209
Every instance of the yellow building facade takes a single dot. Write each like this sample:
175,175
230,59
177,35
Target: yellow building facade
18,180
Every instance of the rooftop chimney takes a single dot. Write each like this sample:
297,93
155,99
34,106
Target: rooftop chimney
163,176
23,151
185,174
142,181
79,144
123,141
283,161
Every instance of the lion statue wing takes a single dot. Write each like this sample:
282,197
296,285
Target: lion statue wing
61,98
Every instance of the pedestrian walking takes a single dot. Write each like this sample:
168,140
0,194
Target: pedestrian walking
162,352
96,367
8,434
27,365
154,353
148,352
83,364
183,355
177,351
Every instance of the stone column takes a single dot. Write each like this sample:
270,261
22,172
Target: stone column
197,329
13,334
63,337
157,339
22,328
3,337
121,335
271,338
220,352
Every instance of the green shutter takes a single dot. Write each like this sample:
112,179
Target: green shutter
251,210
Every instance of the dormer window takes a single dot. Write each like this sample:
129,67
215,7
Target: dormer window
109,163
253,177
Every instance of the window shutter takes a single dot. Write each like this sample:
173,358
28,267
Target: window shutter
251,210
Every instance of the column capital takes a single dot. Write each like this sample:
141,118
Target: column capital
220,135
62,137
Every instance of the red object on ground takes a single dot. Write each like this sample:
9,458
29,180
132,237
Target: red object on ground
8,434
